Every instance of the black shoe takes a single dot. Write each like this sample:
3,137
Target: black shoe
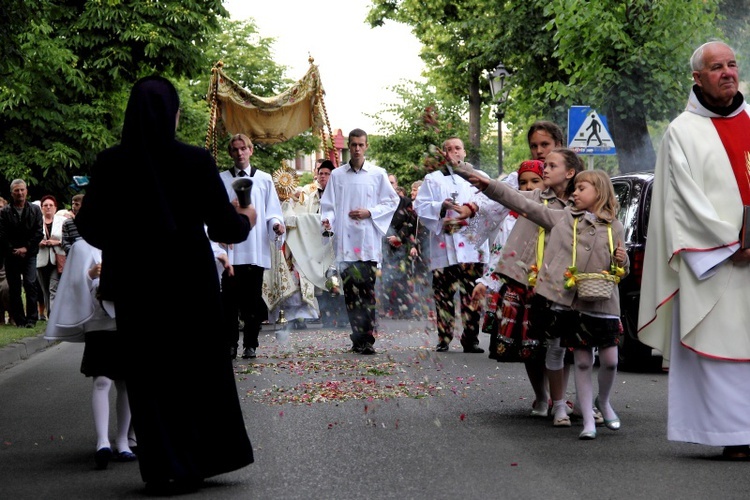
357,348
233,352
102,457
249,353
125,456
442,346
368,349
474,349
30,325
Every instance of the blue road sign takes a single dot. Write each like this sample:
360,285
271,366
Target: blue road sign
588,133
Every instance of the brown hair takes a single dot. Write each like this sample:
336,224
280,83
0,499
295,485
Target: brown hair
572,162
552,128
48,197
357,132
606,205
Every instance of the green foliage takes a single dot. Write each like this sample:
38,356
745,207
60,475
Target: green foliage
454,49
305,179
10,334
631,57
734,21
62,101
419,118
628,60
70,66
247,58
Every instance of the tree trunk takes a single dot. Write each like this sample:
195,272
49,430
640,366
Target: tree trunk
475,115
635,151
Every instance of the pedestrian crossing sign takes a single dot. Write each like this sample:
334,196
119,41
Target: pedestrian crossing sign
588,133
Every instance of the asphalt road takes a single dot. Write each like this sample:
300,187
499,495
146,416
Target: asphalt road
407,423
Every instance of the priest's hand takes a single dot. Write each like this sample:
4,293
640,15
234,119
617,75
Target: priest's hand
359,214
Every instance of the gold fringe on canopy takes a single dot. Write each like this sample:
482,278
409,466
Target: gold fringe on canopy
267,120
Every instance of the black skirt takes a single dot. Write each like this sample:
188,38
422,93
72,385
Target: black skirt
103,355
581,331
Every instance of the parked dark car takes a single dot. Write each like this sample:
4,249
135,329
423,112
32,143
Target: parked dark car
633,191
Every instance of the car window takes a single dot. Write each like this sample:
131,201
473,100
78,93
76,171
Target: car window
628,213
646,208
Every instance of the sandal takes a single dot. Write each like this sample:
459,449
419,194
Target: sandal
561,422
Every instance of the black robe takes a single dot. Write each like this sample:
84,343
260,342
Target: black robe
147,214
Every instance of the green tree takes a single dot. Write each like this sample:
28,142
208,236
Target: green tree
419,119
248,59
629,61
61,100
453,50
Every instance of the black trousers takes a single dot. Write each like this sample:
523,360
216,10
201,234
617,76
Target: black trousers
242,296
359,294
20,272
445,283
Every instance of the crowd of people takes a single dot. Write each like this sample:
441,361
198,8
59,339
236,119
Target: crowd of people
532,259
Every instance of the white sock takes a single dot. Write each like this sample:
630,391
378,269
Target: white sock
100,405
559,409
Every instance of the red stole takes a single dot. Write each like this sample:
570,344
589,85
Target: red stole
734,133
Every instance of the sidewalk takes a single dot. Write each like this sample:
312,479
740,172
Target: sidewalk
23,349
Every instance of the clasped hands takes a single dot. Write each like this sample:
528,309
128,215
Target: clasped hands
359,214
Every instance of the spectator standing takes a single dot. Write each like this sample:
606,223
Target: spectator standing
358,205
455,260
20,234
695,278
189,427
70,231
47,270
4,295
242,293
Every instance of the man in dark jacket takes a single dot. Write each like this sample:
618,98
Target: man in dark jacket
20,233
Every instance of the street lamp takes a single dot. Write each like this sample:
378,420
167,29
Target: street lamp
499,90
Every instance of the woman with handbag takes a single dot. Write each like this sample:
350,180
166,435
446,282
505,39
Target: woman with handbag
48,270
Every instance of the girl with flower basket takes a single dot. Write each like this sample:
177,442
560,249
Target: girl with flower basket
585,243
518,267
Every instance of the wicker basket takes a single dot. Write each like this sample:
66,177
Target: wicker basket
595,286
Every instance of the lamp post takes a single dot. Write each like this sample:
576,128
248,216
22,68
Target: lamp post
499,90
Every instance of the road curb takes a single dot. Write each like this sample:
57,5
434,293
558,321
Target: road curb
23,349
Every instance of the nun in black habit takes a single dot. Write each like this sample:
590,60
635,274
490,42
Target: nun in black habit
145,208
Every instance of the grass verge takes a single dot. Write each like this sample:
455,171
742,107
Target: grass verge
11,333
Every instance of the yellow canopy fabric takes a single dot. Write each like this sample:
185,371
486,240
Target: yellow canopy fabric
266,120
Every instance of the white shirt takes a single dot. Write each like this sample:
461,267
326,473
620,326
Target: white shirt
448,249
256,249
349,190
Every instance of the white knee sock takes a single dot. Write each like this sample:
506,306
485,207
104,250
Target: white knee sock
100,405
123,417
